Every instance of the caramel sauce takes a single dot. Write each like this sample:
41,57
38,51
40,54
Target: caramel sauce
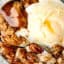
22,15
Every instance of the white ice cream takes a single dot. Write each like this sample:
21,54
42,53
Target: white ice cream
46,22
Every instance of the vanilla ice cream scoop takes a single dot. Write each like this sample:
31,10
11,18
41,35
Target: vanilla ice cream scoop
46,22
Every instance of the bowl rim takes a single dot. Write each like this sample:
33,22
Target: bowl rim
4,2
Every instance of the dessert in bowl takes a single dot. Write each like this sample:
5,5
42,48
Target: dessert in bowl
32,32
